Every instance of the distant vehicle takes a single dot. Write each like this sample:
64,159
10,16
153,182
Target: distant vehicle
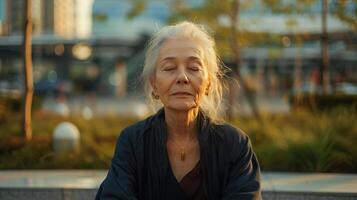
51,88
346,88
307,88
11,87
45,87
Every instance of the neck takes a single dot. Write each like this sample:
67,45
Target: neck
181,124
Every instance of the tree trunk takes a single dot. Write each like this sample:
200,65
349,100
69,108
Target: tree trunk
324,71
236,50
297,69
27,127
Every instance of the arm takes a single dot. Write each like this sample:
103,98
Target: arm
120,182
244,174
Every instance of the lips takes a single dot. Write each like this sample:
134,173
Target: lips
182,93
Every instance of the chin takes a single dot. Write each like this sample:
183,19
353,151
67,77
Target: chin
182,106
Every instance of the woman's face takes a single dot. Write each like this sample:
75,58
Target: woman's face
180,79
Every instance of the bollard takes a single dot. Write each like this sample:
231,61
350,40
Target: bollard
66,138
61,109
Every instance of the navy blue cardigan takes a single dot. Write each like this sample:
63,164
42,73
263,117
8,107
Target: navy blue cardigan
138,170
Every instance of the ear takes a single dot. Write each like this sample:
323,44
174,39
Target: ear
153,82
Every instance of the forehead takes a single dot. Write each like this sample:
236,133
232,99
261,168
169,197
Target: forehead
180,48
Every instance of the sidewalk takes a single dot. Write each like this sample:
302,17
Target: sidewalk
310,182
88,179
83,184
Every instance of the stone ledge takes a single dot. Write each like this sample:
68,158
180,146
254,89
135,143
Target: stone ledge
270,195
46,193
87,194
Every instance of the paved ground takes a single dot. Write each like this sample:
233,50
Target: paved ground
89,179
310,182
138,108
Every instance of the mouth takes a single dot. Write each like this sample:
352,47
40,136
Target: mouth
182,94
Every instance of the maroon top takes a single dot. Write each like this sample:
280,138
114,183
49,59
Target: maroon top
191,183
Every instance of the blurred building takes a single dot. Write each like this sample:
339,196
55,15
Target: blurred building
64,46
295,60
57,18
58,25
70,36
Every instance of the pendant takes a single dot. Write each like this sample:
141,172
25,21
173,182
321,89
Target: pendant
183,154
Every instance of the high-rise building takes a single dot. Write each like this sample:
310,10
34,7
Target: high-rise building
83,18
64,18
61,18
2,16
14,17
37,19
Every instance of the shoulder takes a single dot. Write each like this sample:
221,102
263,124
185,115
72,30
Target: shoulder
230,133
134,132
235,141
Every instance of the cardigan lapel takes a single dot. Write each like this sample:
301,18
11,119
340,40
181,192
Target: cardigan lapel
210,158
156,160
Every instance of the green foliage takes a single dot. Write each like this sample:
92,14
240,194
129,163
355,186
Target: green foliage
348,16
319,141
212,12
137,8
290,7
10,104
98,138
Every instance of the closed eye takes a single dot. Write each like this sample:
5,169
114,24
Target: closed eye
169,68
194,68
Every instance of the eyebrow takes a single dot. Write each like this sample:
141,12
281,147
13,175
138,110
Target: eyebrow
168,58
190,58
194,58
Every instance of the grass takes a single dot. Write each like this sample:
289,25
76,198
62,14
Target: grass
97,138
301,141
305,141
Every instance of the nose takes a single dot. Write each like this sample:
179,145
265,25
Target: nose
182,77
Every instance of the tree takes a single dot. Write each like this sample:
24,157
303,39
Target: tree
222,16
234,16
325,76
344,10
27,126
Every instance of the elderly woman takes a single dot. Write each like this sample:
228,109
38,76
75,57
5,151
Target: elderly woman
184,151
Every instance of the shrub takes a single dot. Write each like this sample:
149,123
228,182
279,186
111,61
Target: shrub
305,141
319,141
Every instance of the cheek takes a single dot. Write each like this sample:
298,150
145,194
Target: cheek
162,84
200,87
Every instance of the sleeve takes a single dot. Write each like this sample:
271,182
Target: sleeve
121,182
244,174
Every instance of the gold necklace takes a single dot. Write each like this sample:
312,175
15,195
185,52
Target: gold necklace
182,152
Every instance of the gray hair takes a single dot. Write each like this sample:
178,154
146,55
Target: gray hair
210,104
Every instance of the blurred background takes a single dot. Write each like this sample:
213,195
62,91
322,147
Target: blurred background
292,83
